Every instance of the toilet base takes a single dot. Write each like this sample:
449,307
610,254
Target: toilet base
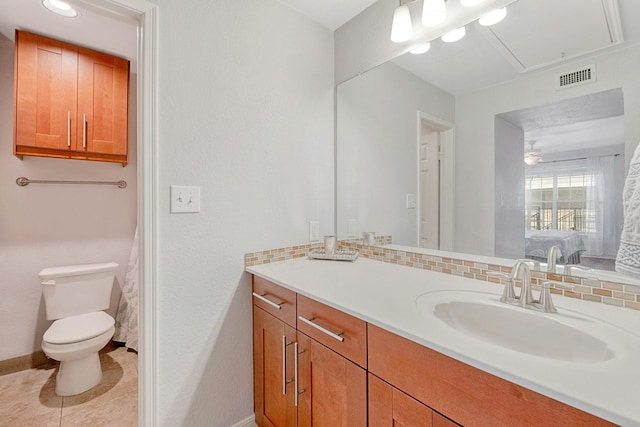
78,376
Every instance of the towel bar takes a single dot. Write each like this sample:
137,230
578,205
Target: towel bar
22,181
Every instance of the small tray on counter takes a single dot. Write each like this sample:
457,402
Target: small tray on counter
337,256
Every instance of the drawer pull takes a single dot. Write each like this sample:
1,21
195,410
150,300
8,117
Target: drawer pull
262,298
334,335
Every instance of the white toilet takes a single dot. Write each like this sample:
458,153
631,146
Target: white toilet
74,296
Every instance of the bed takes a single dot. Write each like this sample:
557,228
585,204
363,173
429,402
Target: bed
538,242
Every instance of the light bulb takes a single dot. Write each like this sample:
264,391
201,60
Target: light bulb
493,17
454,35
421,49
401,28
60,7
434,12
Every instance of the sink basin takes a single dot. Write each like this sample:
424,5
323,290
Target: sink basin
566,335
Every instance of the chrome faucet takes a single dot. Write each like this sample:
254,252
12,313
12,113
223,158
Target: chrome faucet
521,270
553,255
535,264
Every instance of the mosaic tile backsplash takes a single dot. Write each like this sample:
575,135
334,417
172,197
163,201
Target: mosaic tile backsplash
611,293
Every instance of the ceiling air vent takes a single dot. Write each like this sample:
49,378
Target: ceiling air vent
577,77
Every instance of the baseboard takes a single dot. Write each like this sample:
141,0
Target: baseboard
36,359
247,422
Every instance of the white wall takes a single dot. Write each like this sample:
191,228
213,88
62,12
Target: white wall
377,149
245,102
509,200
475,114
50,225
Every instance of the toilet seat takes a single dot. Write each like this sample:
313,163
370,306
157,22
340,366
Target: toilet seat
78,328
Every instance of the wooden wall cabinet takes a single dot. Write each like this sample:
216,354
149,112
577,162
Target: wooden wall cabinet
299,381
70,102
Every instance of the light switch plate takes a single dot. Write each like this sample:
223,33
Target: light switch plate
351,228
314,231
185,199
411,201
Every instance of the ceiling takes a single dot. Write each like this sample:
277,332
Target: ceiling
89,29
329,13
534,35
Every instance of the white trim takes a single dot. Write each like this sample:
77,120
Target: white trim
145,15
447,178
247,422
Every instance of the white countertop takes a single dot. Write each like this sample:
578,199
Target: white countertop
385,295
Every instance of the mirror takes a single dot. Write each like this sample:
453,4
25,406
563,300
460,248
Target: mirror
430,148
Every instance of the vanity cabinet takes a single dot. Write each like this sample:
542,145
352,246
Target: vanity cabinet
350,373
389,407
70,102
461,392
310,355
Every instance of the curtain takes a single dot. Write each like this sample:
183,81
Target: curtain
127,316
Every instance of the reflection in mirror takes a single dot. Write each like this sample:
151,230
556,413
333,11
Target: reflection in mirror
469,98
569,194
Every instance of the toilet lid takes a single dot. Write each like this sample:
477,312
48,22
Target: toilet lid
78,328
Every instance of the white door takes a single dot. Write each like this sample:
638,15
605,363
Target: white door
429,186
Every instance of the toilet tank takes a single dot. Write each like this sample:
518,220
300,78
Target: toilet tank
77,289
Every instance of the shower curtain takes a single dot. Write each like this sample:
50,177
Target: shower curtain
127,317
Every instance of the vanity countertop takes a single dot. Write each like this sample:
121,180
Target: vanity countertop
385,294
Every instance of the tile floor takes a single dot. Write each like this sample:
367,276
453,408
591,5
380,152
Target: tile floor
27,398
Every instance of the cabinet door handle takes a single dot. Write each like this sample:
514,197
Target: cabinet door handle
284,365
84,130
68,128
334,335
295,373
277,306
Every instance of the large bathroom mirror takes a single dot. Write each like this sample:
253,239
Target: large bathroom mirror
431,147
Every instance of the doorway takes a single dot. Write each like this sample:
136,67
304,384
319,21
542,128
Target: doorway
435,183
144,15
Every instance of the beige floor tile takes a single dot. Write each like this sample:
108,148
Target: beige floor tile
28,398
113,402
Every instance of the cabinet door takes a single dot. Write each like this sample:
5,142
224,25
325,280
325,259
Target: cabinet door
333,390
389,407
273,371
103,98
45,94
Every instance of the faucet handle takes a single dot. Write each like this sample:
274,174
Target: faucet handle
545,300
509,293
569,267
558,285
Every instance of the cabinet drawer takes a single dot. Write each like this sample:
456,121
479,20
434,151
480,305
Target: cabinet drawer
275,300
339,331
461,392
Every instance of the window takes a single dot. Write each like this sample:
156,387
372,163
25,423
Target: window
559,201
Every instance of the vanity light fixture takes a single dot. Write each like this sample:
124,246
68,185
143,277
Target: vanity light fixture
470,3
401,28
60,8
434,12
454,35
423,48
493,17
533,156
